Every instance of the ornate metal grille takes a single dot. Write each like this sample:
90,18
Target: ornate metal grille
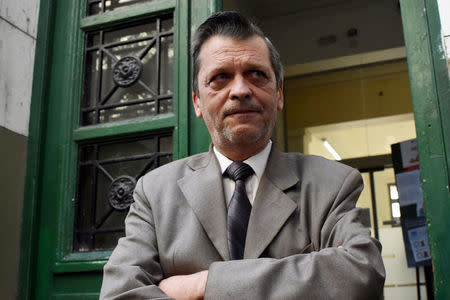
128,72
107,174
95,7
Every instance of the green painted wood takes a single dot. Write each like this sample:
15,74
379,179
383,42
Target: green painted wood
54,134
134,12
181,80
124,128
58,173
420,25
35,150
69,153
441,71
199,139
83,266
73,284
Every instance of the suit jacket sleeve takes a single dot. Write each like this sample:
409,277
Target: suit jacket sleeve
133,270
353,272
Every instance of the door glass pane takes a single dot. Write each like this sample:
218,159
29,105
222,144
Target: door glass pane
128,72
95,7
108,172
166,84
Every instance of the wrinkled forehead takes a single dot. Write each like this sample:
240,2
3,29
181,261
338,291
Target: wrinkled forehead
221,47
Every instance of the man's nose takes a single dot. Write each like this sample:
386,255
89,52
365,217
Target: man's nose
240,89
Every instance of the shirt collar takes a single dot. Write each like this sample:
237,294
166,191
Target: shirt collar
257,162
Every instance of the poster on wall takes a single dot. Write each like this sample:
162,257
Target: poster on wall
405,157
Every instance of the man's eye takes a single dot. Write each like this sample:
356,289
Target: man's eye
218,81
219,77
258,74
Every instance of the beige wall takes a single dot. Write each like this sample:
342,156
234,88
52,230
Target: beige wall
347,95
360,111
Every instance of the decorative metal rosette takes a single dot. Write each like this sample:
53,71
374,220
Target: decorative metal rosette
120,194
127,71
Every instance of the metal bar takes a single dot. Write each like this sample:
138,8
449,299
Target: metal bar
128,42
429,281
154,94
103,219
100,79
134,138
129,103
374,204
112,56
115,44
125,159
95,231
108,95
94,196
146,168
78,205
158,62
97,164
135,157
418,283
147,48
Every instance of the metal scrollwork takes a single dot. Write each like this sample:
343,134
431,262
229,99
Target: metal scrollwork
120,194
127,71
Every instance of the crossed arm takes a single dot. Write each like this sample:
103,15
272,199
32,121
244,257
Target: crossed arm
348,265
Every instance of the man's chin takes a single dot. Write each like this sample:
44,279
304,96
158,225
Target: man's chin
245,135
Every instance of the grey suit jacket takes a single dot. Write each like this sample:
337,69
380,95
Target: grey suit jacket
303,210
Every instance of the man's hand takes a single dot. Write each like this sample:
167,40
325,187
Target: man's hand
185,287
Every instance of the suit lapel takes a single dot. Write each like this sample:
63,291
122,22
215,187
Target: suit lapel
272,207
203,190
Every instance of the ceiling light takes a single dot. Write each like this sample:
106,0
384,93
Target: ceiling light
331,150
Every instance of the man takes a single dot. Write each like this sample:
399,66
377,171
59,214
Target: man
286,229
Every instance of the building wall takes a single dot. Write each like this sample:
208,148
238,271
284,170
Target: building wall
18,26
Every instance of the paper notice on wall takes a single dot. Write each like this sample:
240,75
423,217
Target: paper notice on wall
418,239
410,154
410,189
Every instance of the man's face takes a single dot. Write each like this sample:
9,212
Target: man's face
237,93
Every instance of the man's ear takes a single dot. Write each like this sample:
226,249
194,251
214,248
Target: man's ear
196,103
280,98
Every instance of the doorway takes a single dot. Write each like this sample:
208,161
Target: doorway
347,85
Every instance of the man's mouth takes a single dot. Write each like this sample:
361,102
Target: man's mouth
241,111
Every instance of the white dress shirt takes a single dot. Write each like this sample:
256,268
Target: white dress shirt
257,162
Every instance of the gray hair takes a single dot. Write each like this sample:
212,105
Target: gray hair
234,25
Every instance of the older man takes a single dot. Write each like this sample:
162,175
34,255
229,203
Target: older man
244,221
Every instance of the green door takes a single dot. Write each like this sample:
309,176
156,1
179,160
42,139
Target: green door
111,101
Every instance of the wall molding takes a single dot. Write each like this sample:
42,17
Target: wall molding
345,62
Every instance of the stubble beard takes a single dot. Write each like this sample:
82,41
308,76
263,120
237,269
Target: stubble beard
234,138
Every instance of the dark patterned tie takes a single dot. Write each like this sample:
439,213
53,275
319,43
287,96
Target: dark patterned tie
238,210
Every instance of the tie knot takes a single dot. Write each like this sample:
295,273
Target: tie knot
239,171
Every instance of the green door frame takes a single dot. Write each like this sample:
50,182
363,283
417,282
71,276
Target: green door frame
430,89
45,268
